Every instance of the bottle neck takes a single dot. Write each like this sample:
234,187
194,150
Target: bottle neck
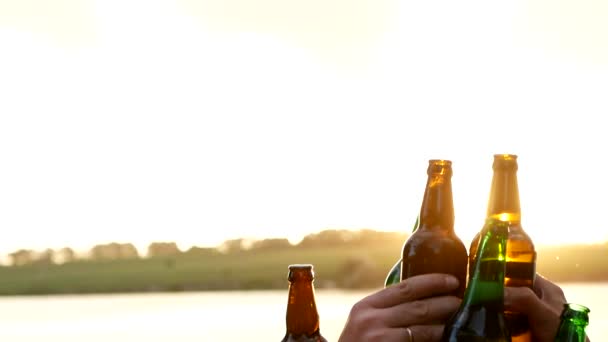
486,286
437,210
302,315
503,203
570,332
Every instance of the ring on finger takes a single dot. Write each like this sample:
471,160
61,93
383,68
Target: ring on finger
410,335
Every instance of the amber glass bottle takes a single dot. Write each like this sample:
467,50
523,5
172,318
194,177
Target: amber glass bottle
521,255
434,247
302,316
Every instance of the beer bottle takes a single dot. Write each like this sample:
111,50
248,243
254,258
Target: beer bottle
434,247
574,319
503,205
394,275
480,316
302,317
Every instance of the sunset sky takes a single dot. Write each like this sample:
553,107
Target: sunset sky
201,121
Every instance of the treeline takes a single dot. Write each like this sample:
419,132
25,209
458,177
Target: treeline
110,251
126,251
342,259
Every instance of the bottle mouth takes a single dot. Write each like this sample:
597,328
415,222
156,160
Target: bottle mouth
300,267
505,161
576,314
300,271
440,166
442,162
577,307
505,156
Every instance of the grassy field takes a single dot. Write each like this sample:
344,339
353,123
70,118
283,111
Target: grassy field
342,267
334,267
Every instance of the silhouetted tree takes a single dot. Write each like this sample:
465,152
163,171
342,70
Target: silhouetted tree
21,257
327,238
200,251
44,258
369,236
232,246
64,255
156,249
128,251
363,237
268,244
104,252
113,251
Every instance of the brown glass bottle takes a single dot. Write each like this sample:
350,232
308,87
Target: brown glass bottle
302,316
521,255
434,247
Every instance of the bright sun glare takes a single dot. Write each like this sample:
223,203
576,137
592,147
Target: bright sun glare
162,121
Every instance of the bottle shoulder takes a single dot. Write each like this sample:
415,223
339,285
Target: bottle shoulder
303,338
436,240
517,239
429,234
518,235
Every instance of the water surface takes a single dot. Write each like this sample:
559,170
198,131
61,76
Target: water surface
203,316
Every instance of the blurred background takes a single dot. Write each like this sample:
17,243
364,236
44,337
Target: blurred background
163,162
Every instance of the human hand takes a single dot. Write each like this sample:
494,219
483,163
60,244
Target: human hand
543,306
411,310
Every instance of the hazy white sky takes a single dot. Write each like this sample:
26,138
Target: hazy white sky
200,121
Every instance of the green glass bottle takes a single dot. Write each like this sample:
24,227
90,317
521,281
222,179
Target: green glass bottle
480,316
573,322
394,275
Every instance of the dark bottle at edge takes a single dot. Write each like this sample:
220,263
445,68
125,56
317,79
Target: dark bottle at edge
434,247
302,317
574,320
394,275
480,316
